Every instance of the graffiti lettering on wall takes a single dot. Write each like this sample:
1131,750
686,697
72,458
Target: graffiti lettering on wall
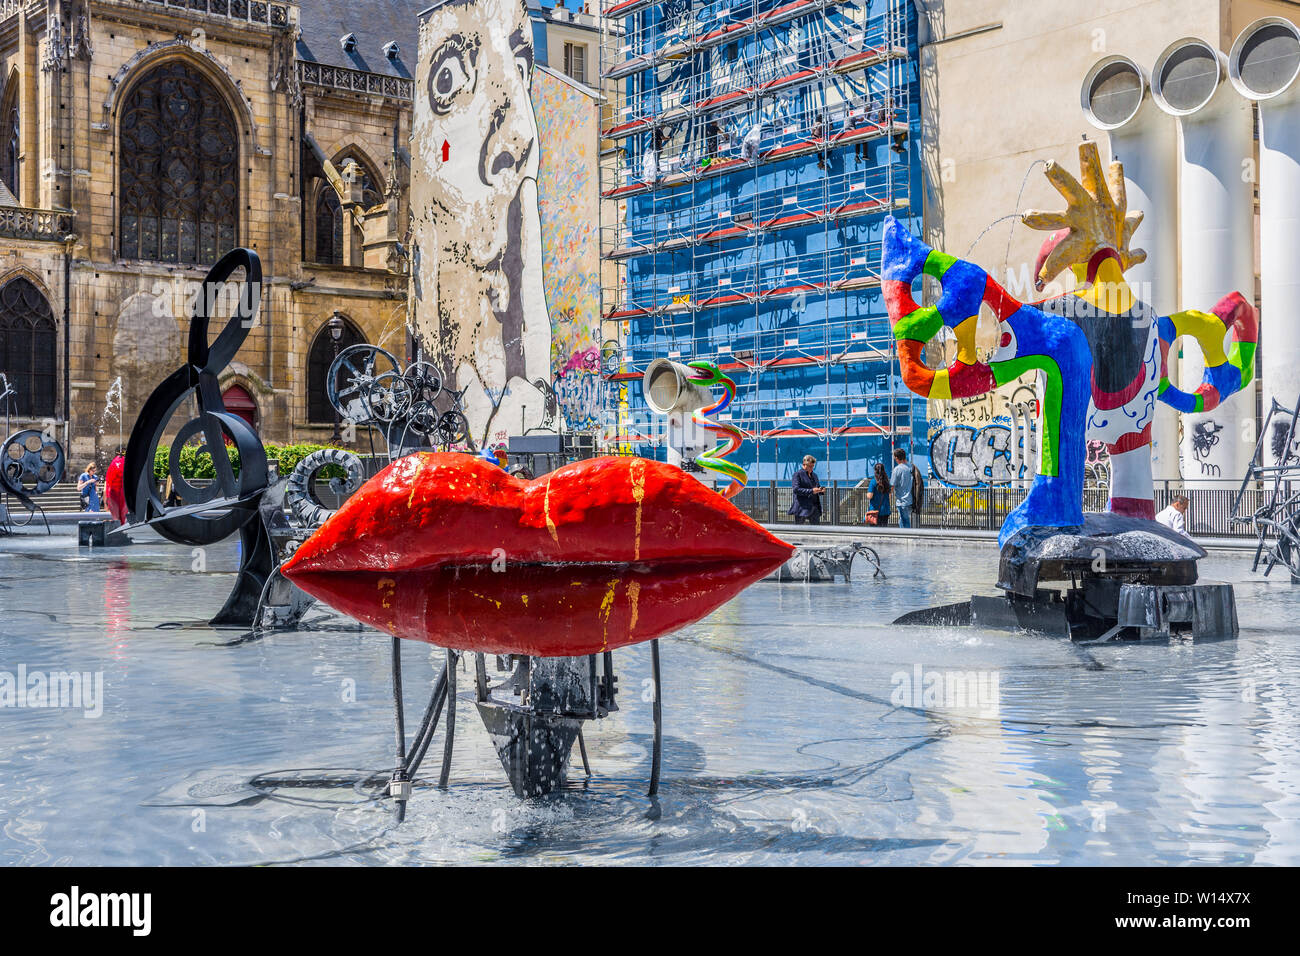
970,457
567,189
1098,464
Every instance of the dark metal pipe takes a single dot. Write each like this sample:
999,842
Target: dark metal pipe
582,747
450,738
68,242
424,736
658,718
398,706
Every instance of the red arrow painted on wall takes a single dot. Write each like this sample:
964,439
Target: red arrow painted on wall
446,150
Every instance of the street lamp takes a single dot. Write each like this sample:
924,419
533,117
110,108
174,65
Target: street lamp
336,333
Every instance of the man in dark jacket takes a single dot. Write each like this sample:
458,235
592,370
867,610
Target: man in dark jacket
807,504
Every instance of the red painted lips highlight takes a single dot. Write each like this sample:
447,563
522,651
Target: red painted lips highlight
449,549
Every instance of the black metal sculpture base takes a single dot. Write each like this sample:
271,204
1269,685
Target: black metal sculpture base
1129,579
533,734
256,565
534,737
101,534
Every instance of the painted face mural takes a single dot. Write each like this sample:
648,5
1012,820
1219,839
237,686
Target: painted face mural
480,309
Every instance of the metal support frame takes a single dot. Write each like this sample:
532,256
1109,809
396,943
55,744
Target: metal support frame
533,737
1279,517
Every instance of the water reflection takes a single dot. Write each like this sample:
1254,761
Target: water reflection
798,730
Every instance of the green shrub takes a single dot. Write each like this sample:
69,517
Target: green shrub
193,465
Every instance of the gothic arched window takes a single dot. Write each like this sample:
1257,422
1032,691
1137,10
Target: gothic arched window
28,348
329,227
328,220
10,145
319,359
179,169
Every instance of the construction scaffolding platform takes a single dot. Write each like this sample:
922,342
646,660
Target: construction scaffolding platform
751,152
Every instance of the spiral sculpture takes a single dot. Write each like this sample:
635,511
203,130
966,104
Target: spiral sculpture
714,458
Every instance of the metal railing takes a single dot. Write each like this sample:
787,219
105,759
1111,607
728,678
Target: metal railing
252,11
355,81
1209,512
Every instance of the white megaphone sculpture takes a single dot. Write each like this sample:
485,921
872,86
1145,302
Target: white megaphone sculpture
669,391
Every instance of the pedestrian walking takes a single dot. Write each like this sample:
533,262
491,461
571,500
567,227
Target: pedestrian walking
808,491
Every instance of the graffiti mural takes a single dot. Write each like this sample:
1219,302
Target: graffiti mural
477,284
567,127
968,457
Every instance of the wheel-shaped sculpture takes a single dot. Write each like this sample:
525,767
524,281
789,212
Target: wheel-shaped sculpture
31,463
359,383
389,397
453,428
421,418
424,381
301,491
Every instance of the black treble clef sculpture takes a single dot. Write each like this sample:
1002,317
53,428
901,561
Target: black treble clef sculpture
229,504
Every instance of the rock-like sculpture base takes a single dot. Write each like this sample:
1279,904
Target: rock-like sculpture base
1128,579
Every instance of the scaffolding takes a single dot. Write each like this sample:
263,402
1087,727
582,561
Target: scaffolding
751,150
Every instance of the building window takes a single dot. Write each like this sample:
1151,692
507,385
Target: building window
575,61
319,360
10,147
179,169
329,219
28,348
329,227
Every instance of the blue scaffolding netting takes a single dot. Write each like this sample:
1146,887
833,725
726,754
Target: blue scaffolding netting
749,156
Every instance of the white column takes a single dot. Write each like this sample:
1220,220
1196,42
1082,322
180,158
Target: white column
1147,145
1255,74
1217,238
1115,98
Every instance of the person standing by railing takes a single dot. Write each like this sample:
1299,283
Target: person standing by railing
879,497
901,479
807,504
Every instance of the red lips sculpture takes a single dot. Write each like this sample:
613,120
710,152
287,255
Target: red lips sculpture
449,549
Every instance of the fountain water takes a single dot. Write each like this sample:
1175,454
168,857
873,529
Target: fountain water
1012,216
113,408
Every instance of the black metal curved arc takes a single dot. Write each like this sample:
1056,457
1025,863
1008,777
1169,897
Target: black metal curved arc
196,530
137,471
213,358
656,754
145,503
449,738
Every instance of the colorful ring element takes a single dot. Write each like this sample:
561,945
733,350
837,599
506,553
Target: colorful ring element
713,459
